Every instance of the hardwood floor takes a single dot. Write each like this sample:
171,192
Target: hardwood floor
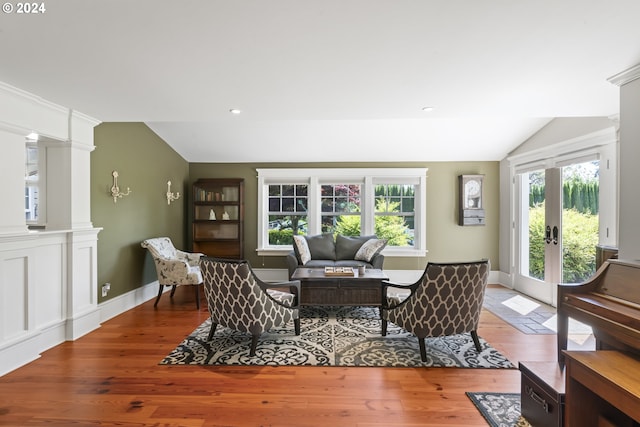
111,377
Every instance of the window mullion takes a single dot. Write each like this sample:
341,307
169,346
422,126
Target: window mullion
367,205
314,206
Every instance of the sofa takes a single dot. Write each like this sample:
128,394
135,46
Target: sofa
323,250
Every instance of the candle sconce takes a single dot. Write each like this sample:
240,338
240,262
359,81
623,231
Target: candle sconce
115,190
171,197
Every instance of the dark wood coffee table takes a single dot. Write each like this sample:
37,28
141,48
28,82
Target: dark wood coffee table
320,289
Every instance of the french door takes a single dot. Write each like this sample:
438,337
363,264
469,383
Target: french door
557,227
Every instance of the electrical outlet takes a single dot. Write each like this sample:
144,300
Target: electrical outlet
105,289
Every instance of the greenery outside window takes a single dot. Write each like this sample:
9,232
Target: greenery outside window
340,205
395,213
389,203
288,205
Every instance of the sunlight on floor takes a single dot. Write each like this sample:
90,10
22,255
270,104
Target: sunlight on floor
578,332
521,305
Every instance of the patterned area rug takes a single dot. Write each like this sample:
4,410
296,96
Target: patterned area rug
333,336
499,409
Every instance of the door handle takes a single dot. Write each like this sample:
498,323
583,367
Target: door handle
555,234
548,235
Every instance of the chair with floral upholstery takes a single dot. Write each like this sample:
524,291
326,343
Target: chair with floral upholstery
446,300
239,300
174,267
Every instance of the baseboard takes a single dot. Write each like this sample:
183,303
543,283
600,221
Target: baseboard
121,303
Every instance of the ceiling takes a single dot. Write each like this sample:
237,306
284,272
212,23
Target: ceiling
327,80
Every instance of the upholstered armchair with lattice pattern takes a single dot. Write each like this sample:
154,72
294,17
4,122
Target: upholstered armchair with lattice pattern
239,300
446,300
173,266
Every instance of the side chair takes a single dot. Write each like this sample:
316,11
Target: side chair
446,300
239,300
174,267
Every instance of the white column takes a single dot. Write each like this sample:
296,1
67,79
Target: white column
629,82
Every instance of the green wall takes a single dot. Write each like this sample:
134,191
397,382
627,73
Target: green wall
446,240
144,163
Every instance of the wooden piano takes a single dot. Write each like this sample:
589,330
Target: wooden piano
609,302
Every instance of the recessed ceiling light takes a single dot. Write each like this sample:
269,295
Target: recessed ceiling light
234,111
427,109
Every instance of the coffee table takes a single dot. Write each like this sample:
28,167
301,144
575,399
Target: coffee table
358,290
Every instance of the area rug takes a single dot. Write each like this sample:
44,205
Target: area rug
499,409
333,336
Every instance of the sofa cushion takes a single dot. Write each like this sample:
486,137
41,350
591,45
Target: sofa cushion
347,246
369,249
301,248
320,263
322,246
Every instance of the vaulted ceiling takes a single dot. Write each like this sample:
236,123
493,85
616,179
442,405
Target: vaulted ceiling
327,80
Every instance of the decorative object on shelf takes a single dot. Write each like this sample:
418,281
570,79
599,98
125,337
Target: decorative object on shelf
115,190
171,197
214,233
471,201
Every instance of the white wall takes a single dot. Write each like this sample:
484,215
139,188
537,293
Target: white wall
629,82
48,279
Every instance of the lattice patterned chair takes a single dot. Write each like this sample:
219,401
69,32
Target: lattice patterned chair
174,267
446,300
237,299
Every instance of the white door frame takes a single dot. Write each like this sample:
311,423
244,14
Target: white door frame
602,145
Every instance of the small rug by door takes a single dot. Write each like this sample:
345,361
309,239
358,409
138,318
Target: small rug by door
333,336
499,409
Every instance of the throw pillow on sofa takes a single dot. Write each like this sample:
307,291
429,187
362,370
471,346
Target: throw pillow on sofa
316,247
347,246
301,248
322,246
369,249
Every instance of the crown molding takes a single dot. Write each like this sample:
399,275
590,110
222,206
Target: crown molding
625,76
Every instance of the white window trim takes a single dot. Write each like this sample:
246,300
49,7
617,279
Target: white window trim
368,177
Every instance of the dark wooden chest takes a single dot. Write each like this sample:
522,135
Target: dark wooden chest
542,393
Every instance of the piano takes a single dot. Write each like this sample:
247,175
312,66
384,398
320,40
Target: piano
609,302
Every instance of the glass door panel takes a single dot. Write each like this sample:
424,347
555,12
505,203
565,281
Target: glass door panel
580,221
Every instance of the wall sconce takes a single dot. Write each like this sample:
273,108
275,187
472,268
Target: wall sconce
171,197
115,190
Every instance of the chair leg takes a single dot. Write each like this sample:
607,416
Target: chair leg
423,349
197,297
384,327
296,325
254,344
212,331
476,341
173,291
155,304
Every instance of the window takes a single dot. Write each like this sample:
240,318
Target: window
287,212
395,213
35,182
340,205
389,203
32,184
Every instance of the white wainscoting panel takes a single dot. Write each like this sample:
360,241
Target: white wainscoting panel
14,297
48,286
